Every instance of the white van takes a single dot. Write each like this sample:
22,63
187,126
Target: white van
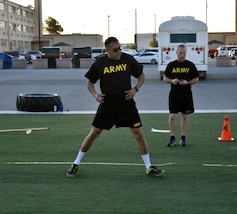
224,50
97,51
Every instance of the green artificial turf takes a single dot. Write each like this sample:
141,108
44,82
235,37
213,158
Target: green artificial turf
112,177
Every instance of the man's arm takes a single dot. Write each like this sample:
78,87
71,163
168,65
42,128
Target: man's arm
131,93
140,80
91,88
193,81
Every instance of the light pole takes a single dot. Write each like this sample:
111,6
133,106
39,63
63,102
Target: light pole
39,22
108,26
135,36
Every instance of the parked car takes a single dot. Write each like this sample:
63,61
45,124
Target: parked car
212,53
233,53
129,51
99,56
14,54
143,50
97,51
147,57
30,55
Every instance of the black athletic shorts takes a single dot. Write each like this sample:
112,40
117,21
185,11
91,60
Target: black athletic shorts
120,114
181,102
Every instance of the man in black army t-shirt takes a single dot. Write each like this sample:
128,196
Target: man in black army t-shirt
181,74
117,106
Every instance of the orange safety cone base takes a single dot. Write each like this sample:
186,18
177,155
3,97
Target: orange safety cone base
230,140
226,131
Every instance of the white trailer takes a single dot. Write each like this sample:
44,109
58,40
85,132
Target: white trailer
188,31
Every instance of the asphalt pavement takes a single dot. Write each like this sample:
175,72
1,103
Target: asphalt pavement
216,93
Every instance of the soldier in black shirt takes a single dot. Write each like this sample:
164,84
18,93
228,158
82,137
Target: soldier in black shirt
117,106
181,74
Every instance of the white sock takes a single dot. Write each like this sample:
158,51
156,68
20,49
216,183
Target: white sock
80,155
146,160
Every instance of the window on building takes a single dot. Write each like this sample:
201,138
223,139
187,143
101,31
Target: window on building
18,27
2,24
11,9
27,45
24,28
2,6
12,26
20,45
3,42
18,11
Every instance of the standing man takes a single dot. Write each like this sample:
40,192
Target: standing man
181,74
117,106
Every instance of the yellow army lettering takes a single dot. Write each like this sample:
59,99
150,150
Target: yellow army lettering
113,69
180,70
137,124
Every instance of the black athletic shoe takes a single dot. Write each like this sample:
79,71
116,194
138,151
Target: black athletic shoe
154,172
182,143
171,143
71,173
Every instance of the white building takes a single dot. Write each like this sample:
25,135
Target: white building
16,26
21,29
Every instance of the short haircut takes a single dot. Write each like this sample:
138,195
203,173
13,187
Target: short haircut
181,46
110,40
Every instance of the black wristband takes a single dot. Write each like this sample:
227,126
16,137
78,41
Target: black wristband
136,88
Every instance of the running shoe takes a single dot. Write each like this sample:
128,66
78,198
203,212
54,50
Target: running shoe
154,172
171,143
71,173
182,143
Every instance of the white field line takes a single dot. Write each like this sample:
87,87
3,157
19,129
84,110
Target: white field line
104,163
218,165
83,163
140,111
160,130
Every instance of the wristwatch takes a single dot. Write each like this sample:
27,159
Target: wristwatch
136,88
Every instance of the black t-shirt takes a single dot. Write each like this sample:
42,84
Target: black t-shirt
185,70
114,75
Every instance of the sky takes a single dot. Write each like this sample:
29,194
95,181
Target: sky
117,18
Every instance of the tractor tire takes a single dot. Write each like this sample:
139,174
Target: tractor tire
38,102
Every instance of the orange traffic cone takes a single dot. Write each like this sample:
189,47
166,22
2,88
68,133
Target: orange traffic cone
226,131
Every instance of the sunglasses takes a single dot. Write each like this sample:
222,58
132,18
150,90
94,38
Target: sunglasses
116,49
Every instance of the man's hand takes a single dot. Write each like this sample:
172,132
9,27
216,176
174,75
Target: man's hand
100,98
183,82
175,81
129,94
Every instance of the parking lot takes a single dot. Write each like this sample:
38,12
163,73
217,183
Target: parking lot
216,93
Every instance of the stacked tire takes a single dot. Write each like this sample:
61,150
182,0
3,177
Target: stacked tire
38,102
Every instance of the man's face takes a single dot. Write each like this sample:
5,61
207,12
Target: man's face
114,51
181,54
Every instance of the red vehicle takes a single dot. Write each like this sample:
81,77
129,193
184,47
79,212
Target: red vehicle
212,53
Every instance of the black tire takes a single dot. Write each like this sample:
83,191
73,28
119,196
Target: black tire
153,62
38,102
